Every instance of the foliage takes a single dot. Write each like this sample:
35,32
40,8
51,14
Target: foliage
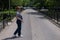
9,15
37,5
4,4
20,2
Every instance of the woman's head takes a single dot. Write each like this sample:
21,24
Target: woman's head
18,8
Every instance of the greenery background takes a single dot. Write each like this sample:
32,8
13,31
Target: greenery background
53,6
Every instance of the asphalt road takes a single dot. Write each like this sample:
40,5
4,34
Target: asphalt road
35,27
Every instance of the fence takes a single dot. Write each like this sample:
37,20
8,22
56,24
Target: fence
54,14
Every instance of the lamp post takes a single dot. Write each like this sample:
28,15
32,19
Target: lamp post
23,3
31,2
9,9
9,6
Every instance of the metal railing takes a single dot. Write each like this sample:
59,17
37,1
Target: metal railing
54,14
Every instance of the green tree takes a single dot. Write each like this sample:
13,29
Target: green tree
4,4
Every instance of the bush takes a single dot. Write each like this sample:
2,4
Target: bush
7,15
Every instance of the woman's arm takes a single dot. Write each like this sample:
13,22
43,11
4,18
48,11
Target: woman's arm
19,18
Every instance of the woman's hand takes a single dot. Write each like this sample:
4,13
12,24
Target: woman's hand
22,21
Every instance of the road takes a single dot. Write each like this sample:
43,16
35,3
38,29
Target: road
35,27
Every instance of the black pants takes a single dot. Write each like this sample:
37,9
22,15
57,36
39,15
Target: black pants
18,30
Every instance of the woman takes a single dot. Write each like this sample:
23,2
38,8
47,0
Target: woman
18,21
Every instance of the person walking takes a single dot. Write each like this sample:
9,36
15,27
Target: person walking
18,21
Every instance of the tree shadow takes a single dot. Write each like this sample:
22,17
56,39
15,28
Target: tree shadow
42,17
13,37
35,13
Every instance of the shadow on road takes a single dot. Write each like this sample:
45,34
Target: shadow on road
10,38
35,13
41,15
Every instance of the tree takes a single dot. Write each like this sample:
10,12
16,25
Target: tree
20,2
4,4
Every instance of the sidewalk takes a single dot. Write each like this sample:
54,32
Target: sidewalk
8,31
